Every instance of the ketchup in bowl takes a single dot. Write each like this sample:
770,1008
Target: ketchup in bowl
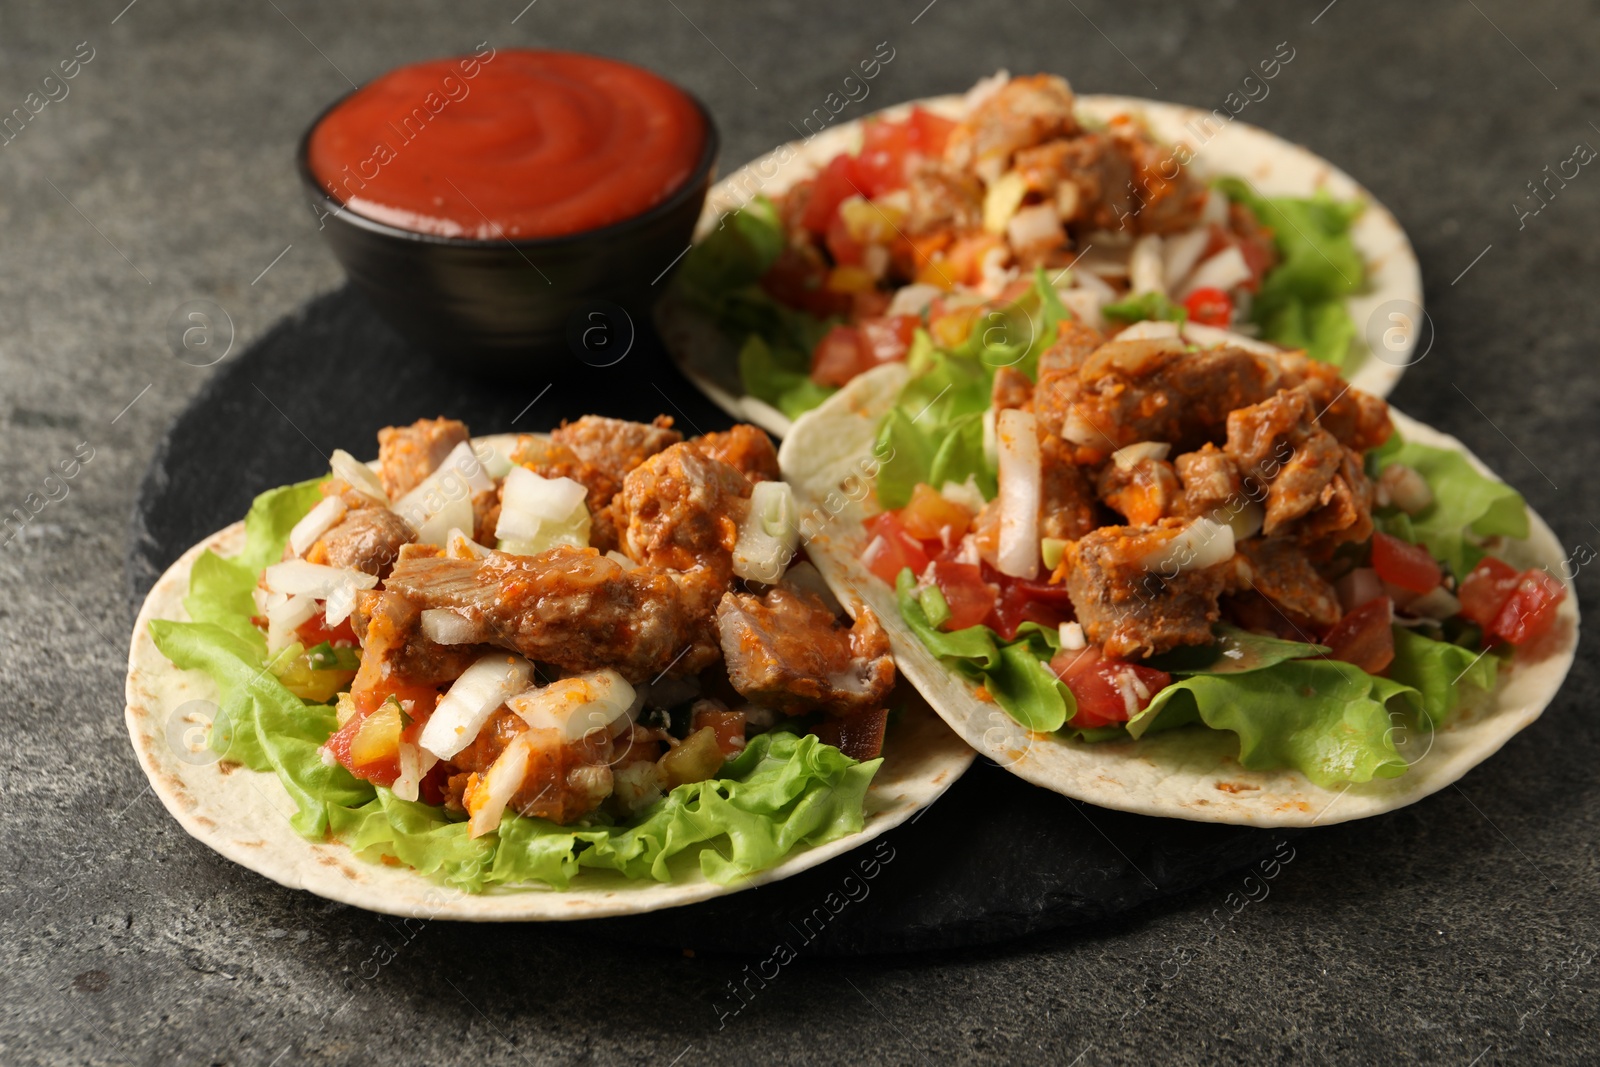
516,144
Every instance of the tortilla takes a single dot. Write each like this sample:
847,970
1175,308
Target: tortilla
1189,773
244,815
710,358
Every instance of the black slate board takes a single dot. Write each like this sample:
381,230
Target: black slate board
994,859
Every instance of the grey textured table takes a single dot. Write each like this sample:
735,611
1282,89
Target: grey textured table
1461,930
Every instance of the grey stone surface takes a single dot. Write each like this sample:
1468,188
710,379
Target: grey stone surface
1460,930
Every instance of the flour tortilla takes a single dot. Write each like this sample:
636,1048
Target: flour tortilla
1276,167
1189,773
244,815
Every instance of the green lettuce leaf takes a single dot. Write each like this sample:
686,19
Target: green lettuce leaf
1438,672
780,377
1234,651
737,253
1301,302
1328,720
781,793
1463,500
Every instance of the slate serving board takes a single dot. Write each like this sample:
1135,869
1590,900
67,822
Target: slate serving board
994,859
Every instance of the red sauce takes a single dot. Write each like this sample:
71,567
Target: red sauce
515,143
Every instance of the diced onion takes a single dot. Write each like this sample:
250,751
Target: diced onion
1181,252
1359,587
1078,429
1092,282
459,546
319,520
454,482
1130,456
769,534
444,627
358,475
1072,639
913,299
1085,306
619,558
1214,336
1158,329
295,576
287,617
538,513
1405,488
1203,543
966,493
455,515
1245,520
572,707
472,698
1214,212
1437,603
1017,440
414,764
1224,270
1146,272
498,785
1037,225
496,464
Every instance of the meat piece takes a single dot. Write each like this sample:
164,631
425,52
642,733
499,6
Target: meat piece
574,608
368,540
1129,608
1066,499
393,648
1141,492
615,446
1279,443
1099,177
1154,390
1022,113
408,454
745,448
943,198
1344,511
1279,570
789,651
1161,204
1011,389
1057,382
1359,420
681,509
1210,481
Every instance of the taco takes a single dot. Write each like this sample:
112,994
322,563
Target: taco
819,260
1212,583
637,698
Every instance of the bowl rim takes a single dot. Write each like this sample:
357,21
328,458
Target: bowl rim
699,180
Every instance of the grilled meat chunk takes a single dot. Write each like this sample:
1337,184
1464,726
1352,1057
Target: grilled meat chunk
1210,481
1128,604
563,782
681,509
1279,570
394,649
943,197
1359,420
745,448
615,446
1011,389
368,540
790,652
1066,499
408,454
574,608
1141,492
1278,442
1020,114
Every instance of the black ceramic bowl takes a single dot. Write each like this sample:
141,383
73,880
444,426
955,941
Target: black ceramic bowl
507,307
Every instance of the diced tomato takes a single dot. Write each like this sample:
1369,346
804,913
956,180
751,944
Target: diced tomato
1107,691
970,598
1486,589
1044,592
859,736
1531,609
843,247
1365,636
890,549
1017,606
838,182
727,725
1408,566
929,132
837,357
383,771
1209,307
886,340
315,630
799,282
869,304
932,517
